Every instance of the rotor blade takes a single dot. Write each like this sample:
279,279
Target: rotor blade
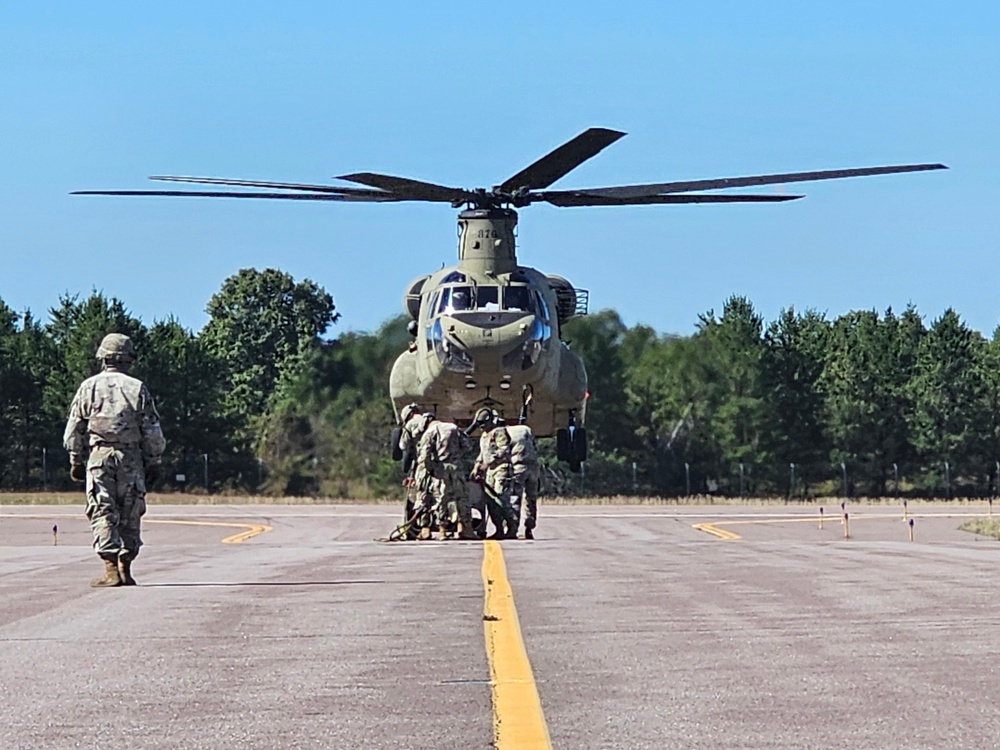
258,183
631,191
375,196
566,198
562,160
410,189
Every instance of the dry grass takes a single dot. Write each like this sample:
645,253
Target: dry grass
982,526
178,498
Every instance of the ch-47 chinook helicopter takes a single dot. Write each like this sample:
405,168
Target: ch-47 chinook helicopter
488,331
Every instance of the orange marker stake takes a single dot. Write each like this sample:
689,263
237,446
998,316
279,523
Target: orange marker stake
55,535
821,517
847,527
911,529
905,516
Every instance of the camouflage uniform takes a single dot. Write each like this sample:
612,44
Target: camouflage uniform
114,416
524,459
419,499
494,464
439,457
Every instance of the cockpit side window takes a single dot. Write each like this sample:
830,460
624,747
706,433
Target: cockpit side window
488,298
433,306
517,298
455,298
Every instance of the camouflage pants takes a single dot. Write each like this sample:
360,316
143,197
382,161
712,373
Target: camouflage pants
451,503
477,503
525,488
116,501
499,484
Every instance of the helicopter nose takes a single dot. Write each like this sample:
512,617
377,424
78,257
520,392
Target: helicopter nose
485,339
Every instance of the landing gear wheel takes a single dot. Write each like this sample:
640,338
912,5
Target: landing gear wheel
564,447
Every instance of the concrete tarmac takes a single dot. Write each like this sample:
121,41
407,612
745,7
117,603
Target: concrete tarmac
641,630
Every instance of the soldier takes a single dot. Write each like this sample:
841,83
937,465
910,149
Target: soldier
438,472
113,415
524,460
494,467
414,422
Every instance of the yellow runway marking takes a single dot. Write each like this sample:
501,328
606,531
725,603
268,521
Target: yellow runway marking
714,530
518,721
713,527
250,530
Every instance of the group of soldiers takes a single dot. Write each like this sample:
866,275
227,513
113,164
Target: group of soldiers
445,484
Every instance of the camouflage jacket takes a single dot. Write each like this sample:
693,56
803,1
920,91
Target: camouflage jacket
441,443
113,408
411,432
523,451
495,449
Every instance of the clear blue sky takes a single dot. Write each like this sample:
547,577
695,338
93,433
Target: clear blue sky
100,95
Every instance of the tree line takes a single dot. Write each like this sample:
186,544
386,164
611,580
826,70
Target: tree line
261,400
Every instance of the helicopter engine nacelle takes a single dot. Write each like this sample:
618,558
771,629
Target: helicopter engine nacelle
569,300
411,300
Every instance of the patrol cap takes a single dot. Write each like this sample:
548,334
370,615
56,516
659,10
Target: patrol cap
116,345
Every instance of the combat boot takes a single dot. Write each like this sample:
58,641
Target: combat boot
110,577
425,533
528,533
442,533
125,571
465,531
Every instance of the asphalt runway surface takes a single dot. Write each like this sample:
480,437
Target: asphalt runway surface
761,630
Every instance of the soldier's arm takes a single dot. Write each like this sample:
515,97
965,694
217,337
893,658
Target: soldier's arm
75,436
153,442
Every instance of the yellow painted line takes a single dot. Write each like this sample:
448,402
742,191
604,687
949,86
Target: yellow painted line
250,530
714,530
713,527
518,721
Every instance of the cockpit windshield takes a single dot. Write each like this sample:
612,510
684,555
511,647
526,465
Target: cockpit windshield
517,298
488,298
455,298
485,298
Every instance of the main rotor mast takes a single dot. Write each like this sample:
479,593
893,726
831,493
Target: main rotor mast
486,240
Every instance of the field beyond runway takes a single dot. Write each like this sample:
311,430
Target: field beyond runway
286,626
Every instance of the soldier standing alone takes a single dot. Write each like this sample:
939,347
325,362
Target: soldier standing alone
114,416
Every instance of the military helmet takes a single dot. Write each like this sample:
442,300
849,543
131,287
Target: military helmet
116,345
408,411
483,416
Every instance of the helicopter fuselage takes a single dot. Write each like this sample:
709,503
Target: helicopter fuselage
486,332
